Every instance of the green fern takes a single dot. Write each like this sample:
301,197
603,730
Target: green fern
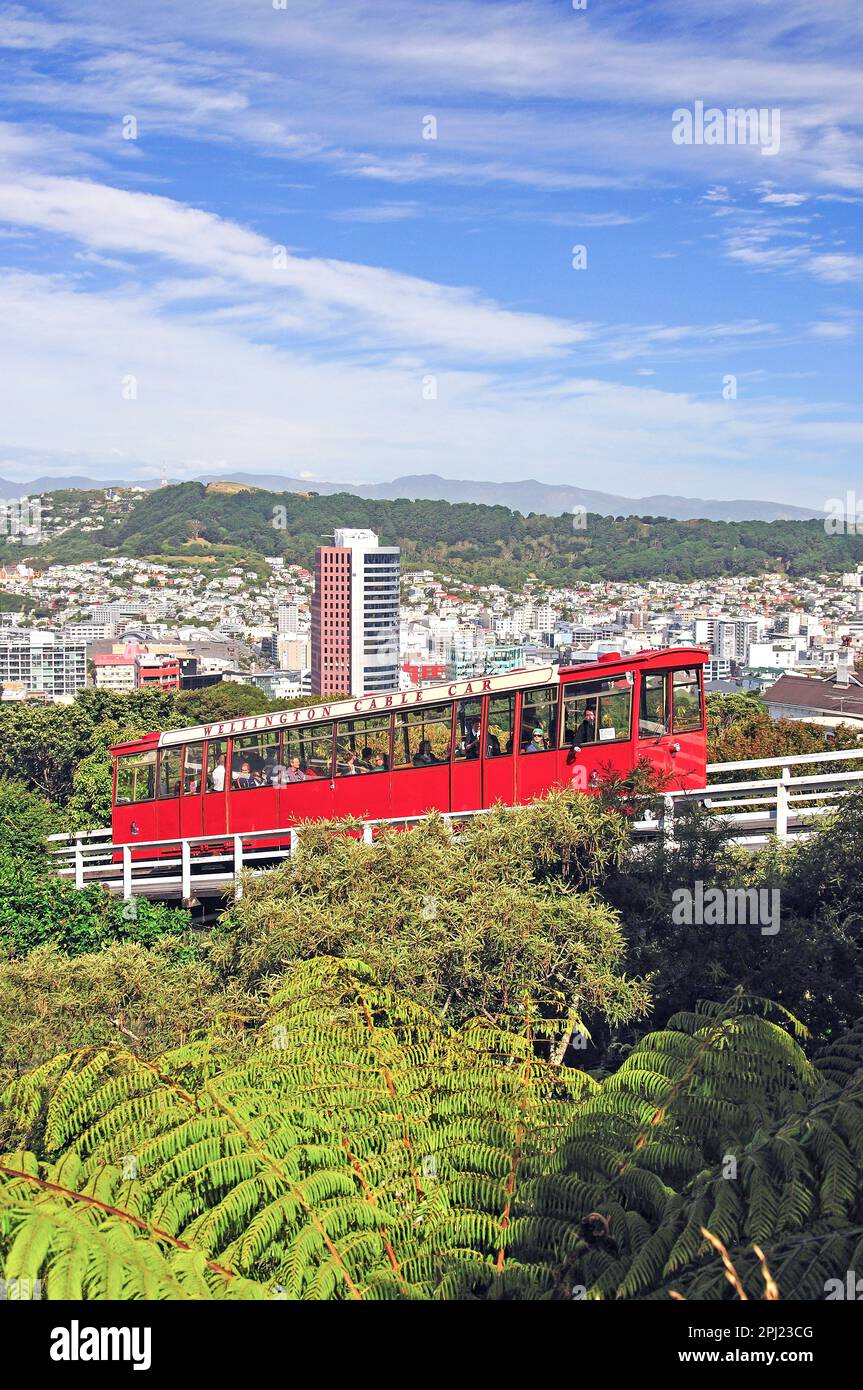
360,1148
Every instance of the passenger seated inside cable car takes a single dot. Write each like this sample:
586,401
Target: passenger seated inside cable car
536,743
424,757
539,720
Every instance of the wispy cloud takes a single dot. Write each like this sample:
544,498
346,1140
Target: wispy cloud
384,303
262,406
378,212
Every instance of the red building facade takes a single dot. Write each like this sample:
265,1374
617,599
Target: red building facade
331,621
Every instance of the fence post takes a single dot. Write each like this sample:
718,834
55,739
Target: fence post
127,873
79,863
238,866
185,869
782,805
294,842
368,833
668,821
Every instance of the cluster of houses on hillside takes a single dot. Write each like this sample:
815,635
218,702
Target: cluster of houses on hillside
124,623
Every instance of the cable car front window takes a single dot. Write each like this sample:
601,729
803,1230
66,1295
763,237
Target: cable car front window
686,700
653,720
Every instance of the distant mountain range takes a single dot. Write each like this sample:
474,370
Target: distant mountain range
526,496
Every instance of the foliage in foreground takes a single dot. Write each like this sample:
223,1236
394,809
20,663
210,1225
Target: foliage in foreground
467,925
149,999
361,1148
37,908
813,965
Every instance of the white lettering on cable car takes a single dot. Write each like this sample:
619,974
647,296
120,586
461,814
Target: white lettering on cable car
367,704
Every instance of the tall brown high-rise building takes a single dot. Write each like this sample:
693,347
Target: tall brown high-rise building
331,621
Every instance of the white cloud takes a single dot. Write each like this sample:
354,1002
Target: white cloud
500,77
837,268
387,305
832,328
207,397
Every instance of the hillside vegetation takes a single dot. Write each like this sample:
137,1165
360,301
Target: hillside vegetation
472,542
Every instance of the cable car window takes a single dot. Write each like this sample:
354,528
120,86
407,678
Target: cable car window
653,718
255,762
362,745
596,712
193,768
170,762
313,745
217,762
468,723
423,736
539,719
136,777
686,700
501,726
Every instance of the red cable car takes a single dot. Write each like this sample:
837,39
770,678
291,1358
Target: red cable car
459,746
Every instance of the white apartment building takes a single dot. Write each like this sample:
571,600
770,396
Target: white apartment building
89,632
780,654
727,637
288,618
39,662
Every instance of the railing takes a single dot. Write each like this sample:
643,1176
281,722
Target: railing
750,810
91,857
786,805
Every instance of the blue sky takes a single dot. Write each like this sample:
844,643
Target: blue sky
424,314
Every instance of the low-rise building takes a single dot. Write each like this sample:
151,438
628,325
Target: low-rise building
827,700
113,672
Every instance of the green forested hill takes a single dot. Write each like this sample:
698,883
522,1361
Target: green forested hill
467,540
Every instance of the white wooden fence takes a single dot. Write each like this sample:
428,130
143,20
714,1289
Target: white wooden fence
750,809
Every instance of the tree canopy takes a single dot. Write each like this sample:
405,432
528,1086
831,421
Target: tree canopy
469,541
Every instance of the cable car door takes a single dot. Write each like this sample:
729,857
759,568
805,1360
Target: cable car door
498,769
467,762
215,798
192,798
168,793
655,737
